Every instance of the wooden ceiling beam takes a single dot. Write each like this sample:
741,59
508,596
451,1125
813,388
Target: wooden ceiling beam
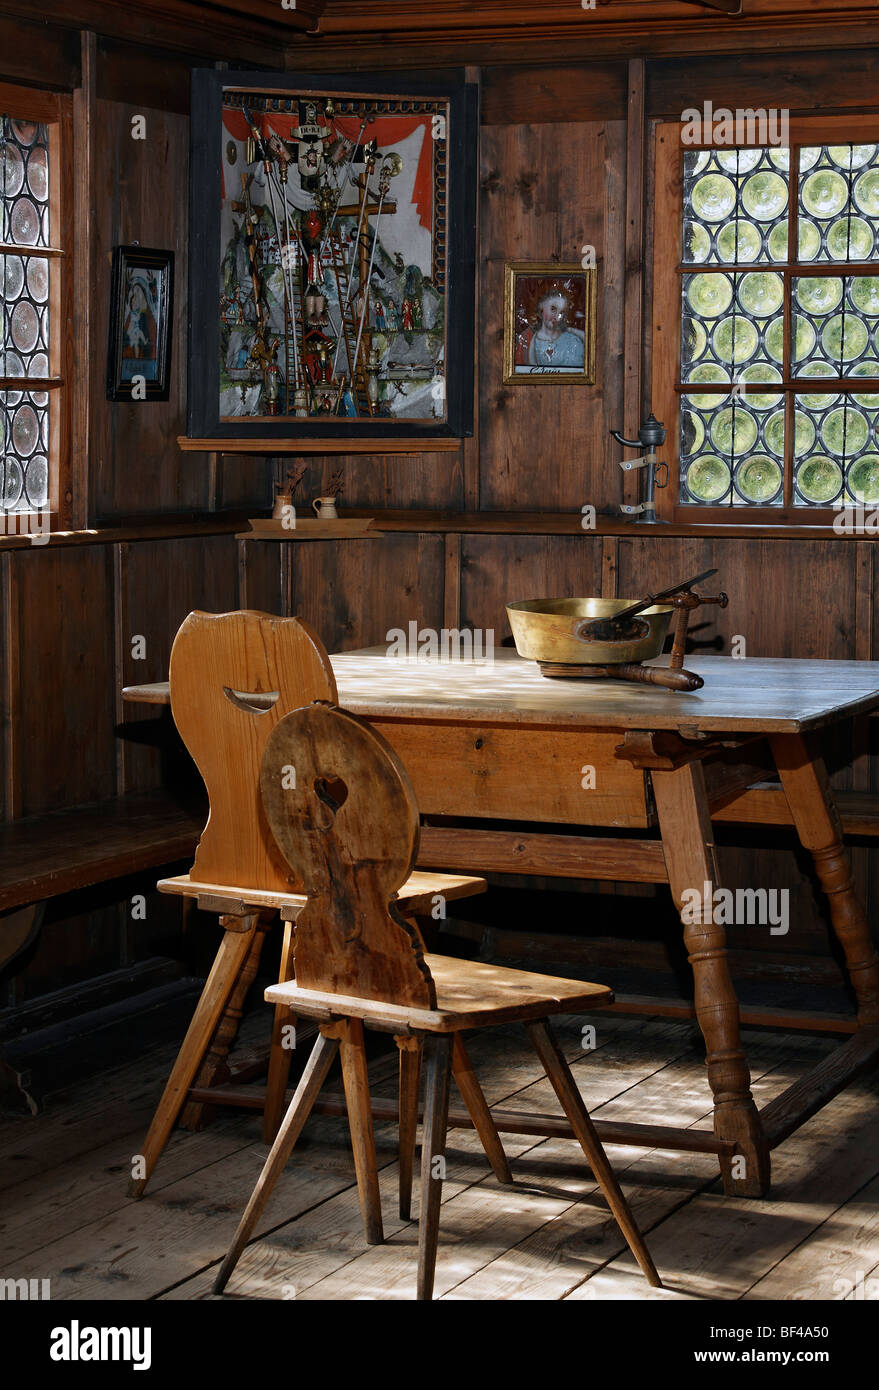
526,18
442,34
253,31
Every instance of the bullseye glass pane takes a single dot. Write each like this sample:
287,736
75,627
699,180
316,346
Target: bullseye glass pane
838,206
24,439
735,206
24,182
732,453
836,325
836,451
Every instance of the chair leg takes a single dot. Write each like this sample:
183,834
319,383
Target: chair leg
214,1069
280,1057
321,1059
356,1079
230,958
410,1076
438,1068
557,1069
483,1121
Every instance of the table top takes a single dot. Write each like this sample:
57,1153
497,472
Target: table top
758,694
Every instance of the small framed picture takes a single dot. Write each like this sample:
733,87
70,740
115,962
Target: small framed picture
549,323
141,309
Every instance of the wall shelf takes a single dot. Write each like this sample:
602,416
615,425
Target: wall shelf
270,447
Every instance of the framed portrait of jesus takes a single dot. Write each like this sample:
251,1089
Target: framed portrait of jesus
549,323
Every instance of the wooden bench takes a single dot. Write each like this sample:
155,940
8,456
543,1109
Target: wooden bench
43,857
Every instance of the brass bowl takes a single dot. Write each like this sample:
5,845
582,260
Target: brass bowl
547,629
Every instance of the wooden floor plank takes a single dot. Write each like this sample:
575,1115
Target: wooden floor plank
714,1248
549,1237
323,1243
836,1261
573,1246
481,1221
303,1253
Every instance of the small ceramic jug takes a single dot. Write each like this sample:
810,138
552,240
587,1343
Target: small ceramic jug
325,508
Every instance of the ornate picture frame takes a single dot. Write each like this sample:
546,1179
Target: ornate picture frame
332,256
549,323
141,312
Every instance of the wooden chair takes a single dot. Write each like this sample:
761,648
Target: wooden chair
233,676
350,828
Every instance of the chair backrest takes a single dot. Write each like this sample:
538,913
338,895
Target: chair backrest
225,669
343,811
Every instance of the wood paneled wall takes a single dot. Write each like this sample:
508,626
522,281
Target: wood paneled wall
553,176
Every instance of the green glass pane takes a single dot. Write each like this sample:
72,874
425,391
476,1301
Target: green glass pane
777,243
759,479
863,479
804,433
852,156
774,339
773,433
850,239
809,239
692,432
695,161
760,373
819,479
817,367
844,337
738,161
761,293
739,241
695,340
733,431
867,192
764,196
735,340
817,404
844,432
713,198
697,243
710,295
865,294
708,478
825,193
804,338
817,295
780,158
809,156
868,367
708,372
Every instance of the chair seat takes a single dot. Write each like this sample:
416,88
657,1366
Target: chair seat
470,994
417,894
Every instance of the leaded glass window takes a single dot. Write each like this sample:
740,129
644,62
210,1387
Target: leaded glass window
779,339
28,265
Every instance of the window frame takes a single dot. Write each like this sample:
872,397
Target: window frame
54,110
668,270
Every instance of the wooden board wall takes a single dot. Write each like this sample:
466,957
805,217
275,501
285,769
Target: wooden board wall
553,174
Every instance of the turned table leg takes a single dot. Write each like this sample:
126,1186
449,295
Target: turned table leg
688,845
807,788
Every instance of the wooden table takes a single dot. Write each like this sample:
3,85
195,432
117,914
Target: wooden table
497,741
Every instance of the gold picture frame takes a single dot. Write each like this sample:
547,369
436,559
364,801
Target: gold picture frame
549,323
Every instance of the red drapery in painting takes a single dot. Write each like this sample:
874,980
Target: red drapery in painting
385,130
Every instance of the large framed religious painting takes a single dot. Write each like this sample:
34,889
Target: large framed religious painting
549,323
332,256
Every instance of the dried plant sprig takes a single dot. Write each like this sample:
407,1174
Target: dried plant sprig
294,477
334,486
